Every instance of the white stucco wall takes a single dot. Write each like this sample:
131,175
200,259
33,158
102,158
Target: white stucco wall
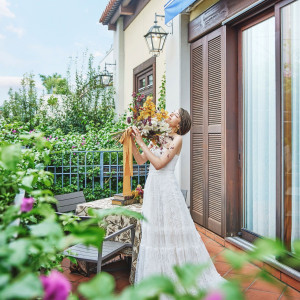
119,69
178,89
135,47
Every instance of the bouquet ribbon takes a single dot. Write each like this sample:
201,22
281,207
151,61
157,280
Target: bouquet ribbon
127,161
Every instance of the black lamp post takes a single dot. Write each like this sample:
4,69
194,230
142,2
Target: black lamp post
156,37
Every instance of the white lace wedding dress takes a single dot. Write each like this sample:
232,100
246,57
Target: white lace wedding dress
169,237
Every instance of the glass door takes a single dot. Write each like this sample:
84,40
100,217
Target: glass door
259,127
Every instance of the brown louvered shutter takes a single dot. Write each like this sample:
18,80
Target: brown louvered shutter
197,167
207,184
215,170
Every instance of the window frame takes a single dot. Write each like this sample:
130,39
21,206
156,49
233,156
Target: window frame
281,221
145,69
246,233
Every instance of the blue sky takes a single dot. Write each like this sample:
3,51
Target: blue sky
39,36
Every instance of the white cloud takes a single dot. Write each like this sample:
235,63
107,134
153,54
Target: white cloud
15,82
10,81
98,54
4,9
17,30
2,37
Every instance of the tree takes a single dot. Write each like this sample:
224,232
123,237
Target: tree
22,104
55,84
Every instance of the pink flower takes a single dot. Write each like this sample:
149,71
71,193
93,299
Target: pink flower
47,139
64,139
214,296
50,136
56,286
83,138
27,204
14,131
73,147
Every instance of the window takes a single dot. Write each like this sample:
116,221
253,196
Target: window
269,79
144,78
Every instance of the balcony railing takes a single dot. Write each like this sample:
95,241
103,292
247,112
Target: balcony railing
94,170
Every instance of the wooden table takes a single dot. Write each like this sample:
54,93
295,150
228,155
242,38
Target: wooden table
115,223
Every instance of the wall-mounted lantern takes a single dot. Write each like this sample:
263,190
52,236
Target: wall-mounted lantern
156,37
106,77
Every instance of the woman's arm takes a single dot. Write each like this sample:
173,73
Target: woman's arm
159,162
140,158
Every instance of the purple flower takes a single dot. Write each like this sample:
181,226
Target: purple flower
14,131
56,286
128,120
83,138
27,204
98,143
73,147
56,138
50,136
214,296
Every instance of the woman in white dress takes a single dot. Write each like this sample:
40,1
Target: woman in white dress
169,236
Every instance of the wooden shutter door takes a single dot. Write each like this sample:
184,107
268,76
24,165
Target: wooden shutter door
197,168
207,102
215,101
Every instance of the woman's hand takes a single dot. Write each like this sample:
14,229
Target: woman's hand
137,136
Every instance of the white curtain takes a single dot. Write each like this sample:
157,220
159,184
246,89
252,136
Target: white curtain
259,128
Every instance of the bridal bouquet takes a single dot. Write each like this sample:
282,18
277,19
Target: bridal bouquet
150,121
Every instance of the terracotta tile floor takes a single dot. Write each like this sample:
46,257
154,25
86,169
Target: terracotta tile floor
254,289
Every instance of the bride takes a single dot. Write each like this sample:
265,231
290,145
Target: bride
169,236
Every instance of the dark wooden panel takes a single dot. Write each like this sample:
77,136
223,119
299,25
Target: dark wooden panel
138,7
216,14
232,205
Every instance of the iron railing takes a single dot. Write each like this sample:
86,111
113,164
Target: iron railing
88,169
